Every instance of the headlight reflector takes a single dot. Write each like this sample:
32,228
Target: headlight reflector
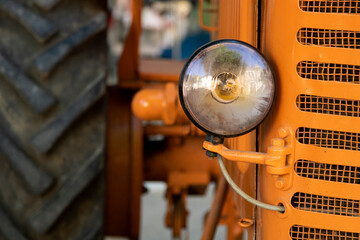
226,88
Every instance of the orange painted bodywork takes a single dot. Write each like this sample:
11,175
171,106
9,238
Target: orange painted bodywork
281,20
238,20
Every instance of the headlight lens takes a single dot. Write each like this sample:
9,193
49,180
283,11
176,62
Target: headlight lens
226,88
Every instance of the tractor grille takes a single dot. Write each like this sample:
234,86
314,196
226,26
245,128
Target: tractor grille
328,172
298,232
319,77
328,105
330,6
329,72
329,38
325,204
329,138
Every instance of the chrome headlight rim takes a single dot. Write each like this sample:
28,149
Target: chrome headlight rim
181,82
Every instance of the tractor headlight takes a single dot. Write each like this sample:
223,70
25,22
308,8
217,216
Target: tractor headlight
226,88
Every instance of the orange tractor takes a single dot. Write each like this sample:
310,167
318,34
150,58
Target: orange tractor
277,97
273,101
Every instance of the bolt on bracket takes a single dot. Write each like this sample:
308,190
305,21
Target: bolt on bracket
279,159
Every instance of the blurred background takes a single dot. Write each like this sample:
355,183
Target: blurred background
170,30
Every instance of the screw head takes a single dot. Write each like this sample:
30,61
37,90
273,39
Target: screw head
283,133
216,140
280,183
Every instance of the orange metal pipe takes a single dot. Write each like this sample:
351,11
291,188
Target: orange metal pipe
215,211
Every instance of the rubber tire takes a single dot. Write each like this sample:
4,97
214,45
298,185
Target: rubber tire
52,118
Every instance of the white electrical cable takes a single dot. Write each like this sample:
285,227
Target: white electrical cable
242,193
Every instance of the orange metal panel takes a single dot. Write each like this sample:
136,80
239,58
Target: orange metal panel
238,20
137,175
118,169
326,203
124,166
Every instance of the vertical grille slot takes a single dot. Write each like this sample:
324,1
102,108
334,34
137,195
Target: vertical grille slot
329,138
329,38
325,204
330,6
328,105
327,172
298,232
329,72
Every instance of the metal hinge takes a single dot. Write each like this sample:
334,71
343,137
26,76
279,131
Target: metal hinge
279,159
